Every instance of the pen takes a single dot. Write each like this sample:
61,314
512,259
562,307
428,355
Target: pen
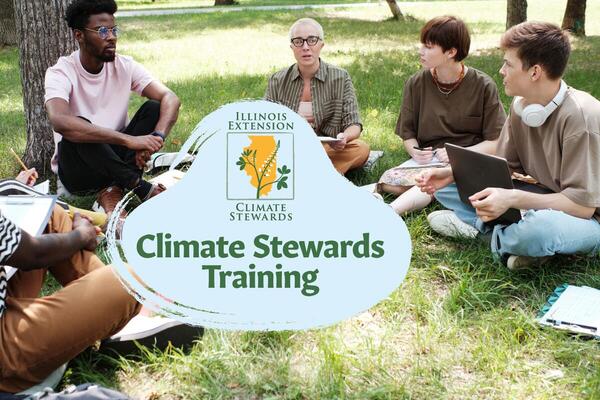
19,159
556,323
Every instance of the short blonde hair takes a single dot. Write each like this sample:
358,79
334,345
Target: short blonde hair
307,21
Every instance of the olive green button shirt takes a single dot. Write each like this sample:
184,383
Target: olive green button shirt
334,101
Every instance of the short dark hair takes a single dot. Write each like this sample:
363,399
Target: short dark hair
540,43
79,11
448,32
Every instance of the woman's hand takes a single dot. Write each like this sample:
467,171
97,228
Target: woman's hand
433,179
28,177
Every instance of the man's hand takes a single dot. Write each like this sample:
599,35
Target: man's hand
433,179
341,144
141,157
422,156
490,203
149,143
87,231
442,155
28,177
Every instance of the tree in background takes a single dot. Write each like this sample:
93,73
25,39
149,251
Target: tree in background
395,10
516,12
574,19
8,30
224,2
43,37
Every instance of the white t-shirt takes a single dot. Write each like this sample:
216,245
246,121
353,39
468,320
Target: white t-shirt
101,98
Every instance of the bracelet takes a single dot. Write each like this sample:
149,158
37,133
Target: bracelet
159,134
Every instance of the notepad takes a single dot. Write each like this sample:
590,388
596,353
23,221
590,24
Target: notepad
30,213
411,163
328,139
573,308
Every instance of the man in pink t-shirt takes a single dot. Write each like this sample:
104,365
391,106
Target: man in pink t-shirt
87,95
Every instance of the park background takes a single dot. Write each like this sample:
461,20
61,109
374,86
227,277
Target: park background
460,326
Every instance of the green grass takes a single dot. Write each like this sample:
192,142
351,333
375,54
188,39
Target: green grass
171,4
459,327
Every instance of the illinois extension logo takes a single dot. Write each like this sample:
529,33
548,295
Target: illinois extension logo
260,166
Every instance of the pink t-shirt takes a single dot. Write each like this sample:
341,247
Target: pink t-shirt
101,98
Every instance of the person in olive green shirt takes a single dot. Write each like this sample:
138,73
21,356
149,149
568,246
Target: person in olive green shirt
321,93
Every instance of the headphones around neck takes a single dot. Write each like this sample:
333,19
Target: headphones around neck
535,115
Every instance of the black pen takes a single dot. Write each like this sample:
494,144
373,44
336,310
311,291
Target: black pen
558,323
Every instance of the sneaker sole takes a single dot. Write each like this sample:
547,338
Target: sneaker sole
177,334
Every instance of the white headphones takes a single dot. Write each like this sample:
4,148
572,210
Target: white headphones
535,115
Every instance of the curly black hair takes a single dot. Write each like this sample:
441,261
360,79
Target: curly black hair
79,11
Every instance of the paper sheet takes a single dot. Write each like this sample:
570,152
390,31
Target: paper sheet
577,309
43,187
328,139
30,213
411,163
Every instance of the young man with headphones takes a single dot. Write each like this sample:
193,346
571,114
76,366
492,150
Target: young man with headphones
553,135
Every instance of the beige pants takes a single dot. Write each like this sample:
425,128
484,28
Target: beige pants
37,335
354,155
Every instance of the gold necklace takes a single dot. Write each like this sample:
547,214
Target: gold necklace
451,86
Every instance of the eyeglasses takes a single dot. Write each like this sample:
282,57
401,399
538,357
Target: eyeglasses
102,31
311,41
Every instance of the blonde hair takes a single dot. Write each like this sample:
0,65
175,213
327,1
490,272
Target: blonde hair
307,21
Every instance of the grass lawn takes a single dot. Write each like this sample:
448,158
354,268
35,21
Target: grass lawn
157,4
459,327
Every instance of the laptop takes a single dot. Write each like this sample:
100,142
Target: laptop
475,171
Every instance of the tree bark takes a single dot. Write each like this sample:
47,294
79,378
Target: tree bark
224,2
8,30
574,19
43,37
395,10
516,12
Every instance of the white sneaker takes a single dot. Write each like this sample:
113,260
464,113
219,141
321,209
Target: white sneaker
378,196
152,331
515,263
446,223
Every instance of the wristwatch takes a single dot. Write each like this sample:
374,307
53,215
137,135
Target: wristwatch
159,134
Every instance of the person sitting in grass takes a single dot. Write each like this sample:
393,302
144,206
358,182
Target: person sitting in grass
39,334
553,135
445,102
323,94
87,95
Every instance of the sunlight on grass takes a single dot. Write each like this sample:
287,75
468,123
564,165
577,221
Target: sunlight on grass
460,326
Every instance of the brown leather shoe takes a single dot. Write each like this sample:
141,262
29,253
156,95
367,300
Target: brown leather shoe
109,197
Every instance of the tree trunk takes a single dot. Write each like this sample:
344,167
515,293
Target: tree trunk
43,37
8,30
574,19
516,12
395,10
224,2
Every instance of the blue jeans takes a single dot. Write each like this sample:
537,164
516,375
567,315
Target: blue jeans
540,233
